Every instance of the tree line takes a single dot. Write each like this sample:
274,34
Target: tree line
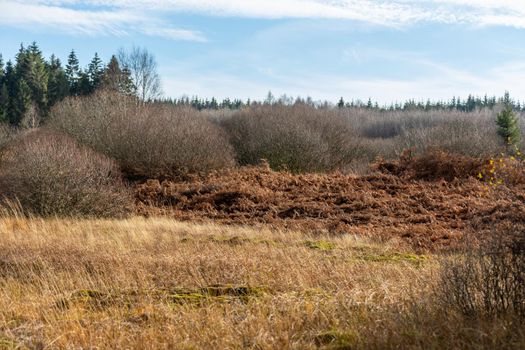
31,85
471,103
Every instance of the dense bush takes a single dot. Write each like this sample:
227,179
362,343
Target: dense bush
298,138
50,174
148,140
470,134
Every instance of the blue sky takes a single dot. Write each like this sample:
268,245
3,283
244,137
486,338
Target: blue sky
388,50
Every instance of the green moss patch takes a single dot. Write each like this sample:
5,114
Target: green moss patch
320,245
395,257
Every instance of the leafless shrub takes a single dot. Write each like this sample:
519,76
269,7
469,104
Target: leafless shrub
49,174
148,140
471,134
298,138
6,134
488,281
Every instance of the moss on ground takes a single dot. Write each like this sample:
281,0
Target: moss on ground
320,245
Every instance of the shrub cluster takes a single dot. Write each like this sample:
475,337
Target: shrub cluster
297,138
49,174
78,174
488,281
147,140
6,134
471,134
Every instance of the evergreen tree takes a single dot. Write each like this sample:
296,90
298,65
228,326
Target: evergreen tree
117,79
214,104
270,99
73,73
508,126
506,99
4,102
19,102
37,78
84,86
57,86
95,72
4,96
1,69
341,103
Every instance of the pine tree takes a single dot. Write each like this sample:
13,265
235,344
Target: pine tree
1,69
57,86
4,102
37,78
4,96
341,103
117,79
508,126
84,84
95,72
19,102
506,99
73,73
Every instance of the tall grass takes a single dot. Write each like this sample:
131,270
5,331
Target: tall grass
158,284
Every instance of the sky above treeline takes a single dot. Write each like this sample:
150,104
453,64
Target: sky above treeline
387,50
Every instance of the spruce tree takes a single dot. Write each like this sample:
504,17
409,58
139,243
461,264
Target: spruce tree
19,102
95,72
4,102
341,103
57,86
37,78
73,73
4,96
1,69
84,86
508,126
117,79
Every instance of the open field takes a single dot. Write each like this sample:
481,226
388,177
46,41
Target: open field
157,283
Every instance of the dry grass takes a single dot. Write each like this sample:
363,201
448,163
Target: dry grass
148,284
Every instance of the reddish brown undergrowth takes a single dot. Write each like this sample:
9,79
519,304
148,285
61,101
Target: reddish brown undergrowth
386,205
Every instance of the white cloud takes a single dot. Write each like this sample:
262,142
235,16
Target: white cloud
385,12
119,22
120,16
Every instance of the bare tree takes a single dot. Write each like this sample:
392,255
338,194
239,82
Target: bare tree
143,69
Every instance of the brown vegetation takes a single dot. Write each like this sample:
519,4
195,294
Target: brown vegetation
426,214
159,284
49,174
147,140
297,138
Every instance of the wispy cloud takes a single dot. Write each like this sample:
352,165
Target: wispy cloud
120,21
385,12
121,17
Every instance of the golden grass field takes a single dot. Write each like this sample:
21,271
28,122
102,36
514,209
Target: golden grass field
160,284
